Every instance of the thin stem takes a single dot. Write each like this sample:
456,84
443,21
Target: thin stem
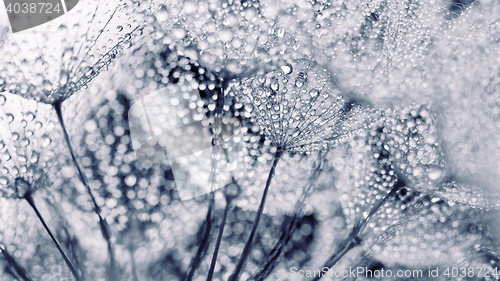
19,268
248,245
30,200
204,242
219,239
353,239
134,269
102,223
274,256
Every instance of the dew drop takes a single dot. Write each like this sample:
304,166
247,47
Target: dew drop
46,141
10,117
30,116
119,28
299,82
162,14
275,85
435,173
22,158
47,86
313,93
4,181
15,136
25,142
2,144
2,99
287,68
63,78
226,35
34,157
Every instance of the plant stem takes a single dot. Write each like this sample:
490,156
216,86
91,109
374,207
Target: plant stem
30,200
219,238
279,248
353,239
204,242
248,245
134,268
102,223
12,262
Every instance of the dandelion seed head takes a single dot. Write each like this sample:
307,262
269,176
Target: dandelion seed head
299,107
24,160
52,66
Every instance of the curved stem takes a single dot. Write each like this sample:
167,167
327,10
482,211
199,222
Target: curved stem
12,262
248,245
353,239
219,238
66,259
102,223
204,242
273,258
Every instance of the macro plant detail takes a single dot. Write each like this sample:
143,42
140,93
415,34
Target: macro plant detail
338,135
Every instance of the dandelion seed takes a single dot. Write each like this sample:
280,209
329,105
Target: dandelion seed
52,66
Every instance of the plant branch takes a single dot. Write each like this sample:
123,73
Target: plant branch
353,239
73,270
248,245
102,223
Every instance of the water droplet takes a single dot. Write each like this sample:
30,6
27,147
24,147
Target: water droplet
287,68
25,142
226,35
2,144
179,33
119,28
35,156
299,82
313,93
46,141
6,156
22,158
2,99
30,116
275,85
435,173
47,86
63,78
281,33
162,14
4,181
15,136
10,117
